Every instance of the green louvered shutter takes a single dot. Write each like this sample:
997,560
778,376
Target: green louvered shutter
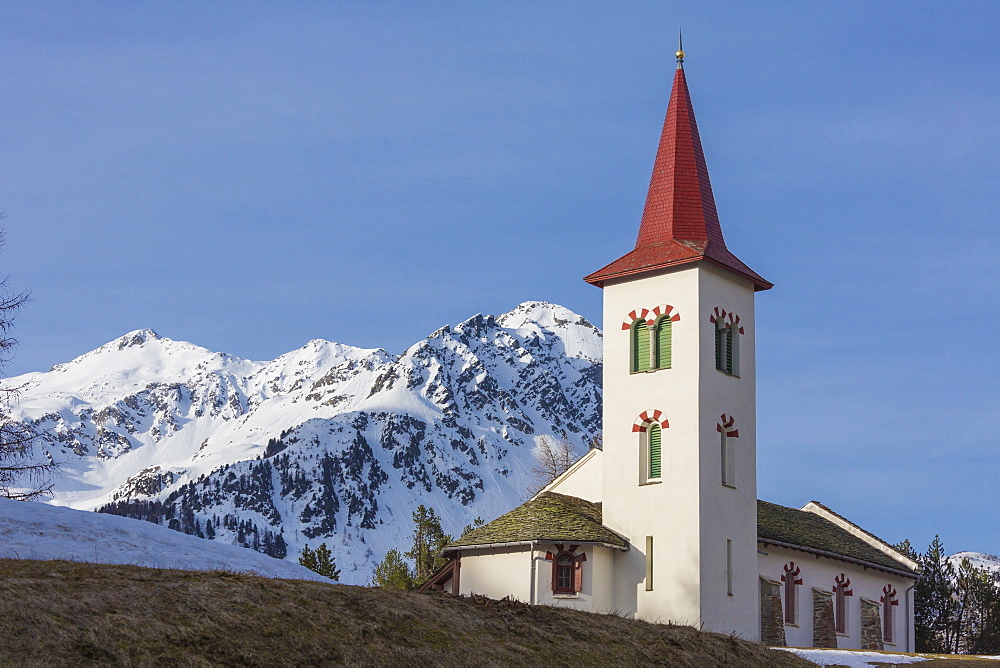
663,342
654,450
640,347
729,350
719,362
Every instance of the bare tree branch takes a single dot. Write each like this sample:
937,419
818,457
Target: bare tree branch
553,456
22,475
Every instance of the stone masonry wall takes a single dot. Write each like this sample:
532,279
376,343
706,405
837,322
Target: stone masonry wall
824,630
772,622
871,626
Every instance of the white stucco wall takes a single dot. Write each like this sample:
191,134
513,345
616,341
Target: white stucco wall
667,510
596,593
584,480
503,572
728,512
688,512
603,584
496,573
819,573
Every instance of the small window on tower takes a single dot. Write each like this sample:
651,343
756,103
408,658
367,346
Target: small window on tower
728,433
727,347
640,346
648,429
723,347
654,438
649,563
729,567
734,349
728,461
663,336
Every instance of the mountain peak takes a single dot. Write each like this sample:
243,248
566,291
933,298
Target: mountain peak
544,314
137,338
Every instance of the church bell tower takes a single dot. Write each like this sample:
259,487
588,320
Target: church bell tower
679,400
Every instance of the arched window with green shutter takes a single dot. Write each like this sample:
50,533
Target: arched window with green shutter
664,334
728,460
733,340
723,347
720,346
729,350
654,437
640,346
727,347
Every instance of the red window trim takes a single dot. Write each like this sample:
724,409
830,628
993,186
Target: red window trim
841,589
577,579
791,579
888,600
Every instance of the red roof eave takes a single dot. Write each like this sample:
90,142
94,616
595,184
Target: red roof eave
733,265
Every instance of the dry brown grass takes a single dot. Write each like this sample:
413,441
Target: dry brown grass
67,613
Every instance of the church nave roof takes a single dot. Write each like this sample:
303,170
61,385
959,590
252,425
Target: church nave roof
547,517
802,529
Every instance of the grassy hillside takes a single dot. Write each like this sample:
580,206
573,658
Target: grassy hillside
56,612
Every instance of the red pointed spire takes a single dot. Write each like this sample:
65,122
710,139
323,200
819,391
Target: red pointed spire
680,204
679,222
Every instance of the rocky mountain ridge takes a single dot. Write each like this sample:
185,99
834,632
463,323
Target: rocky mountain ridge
325,443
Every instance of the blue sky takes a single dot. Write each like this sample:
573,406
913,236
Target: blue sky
249,176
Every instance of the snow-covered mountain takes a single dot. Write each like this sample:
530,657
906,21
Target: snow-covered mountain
326,443
988,562
38,531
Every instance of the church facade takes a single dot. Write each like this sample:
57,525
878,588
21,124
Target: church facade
664,522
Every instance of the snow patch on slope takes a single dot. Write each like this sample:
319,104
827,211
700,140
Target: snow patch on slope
38,531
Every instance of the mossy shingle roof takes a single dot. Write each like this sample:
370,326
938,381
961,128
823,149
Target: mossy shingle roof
560,518
809,530
548,517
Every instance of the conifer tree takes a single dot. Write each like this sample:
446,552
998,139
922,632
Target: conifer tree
476,523
906,549
934,605
956,610
985,637
975,600
428,541
393,573
963,606
320,561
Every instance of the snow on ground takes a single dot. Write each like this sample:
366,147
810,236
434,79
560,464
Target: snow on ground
850,658
859,659
40,531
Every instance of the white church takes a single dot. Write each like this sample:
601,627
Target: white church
664,523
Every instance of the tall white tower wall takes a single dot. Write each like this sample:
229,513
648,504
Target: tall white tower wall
687,511
728,513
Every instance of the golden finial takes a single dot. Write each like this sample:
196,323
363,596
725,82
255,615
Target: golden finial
680,49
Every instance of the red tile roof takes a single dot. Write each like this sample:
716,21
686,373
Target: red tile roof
679,223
